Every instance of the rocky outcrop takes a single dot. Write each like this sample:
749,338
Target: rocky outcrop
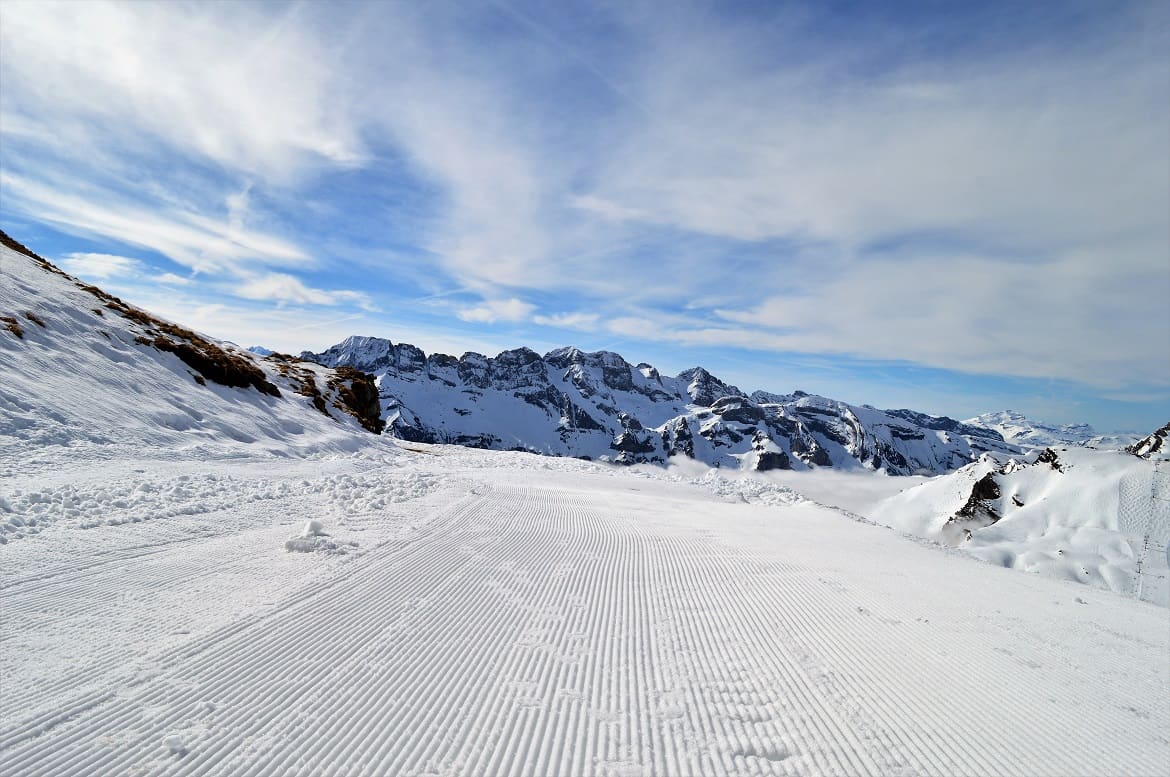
979,511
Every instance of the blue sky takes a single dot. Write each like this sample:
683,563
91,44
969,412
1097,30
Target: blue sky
929,205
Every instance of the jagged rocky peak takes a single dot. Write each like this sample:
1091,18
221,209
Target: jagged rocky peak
410,358
563,357
368,354
590,372
518,368
738,409
768,398
475,370
704,388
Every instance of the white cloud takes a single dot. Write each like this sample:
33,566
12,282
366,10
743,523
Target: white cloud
1075,318
100,266
237,205
993,209
497,310
283,288
171,279
608,210
1034,148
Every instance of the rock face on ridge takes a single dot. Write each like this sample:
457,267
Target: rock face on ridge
599,406
1152,446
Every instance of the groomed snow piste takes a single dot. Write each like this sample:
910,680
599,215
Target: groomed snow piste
477,613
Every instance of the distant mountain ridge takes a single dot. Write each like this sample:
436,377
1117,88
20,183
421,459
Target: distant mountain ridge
599,406
1018,429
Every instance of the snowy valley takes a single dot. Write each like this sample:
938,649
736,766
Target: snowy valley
212,563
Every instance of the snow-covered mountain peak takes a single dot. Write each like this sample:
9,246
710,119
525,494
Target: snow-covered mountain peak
704,388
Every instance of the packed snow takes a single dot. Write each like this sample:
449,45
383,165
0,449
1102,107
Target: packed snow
206,580
504,613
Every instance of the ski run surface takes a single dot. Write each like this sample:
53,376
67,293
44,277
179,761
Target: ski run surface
461,612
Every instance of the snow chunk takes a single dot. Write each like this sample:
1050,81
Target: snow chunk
313,528
175,744
314,539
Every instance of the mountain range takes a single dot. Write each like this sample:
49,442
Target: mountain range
599,406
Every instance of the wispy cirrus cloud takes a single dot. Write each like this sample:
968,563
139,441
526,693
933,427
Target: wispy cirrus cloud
198,241
283,288
578,320
247,87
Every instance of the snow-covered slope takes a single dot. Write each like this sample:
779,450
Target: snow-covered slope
598,405
1018,429
1100,517
83,370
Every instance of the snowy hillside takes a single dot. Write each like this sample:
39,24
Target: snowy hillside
1018,429
82,369
1098,517
599,406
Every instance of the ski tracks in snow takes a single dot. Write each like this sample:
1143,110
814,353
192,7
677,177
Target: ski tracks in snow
537,625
